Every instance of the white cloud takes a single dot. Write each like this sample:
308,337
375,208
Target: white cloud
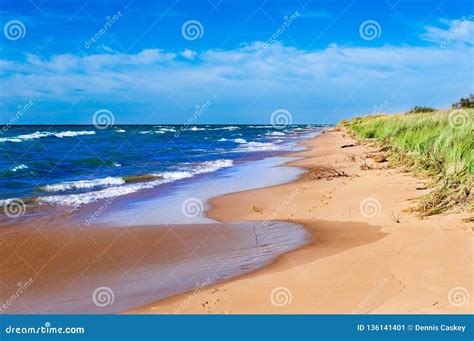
454,31
246,83
189,54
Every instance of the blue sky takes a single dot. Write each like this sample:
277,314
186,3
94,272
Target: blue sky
320,60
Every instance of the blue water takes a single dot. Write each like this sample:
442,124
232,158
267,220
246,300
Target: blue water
76,165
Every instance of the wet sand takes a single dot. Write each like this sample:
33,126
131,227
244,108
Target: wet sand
57,269
367,253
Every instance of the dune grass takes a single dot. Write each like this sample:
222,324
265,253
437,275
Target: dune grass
437,145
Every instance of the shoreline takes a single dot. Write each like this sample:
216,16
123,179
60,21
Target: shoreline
356,263
68,258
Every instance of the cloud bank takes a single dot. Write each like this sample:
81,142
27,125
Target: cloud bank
245,84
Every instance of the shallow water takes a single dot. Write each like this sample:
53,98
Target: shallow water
138,268
186,203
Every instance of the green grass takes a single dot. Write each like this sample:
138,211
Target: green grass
436,145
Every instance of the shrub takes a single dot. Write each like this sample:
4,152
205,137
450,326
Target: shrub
417,109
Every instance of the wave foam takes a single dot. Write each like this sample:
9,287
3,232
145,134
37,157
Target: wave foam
276,133
41,134
83,184
120,187
259,146
169,130
73,133
19,167
239,140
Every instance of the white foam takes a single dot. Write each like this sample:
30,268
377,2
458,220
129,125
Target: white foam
76,200
120,130
212,166
73,133
276,133
259,146
240,140
119,187
227,128
41,134
35,135
174,176
5,202
83,184
170,130
195,129
10,139
19,167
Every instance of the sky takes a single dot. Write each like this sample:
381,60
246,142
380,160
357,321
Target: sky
161,62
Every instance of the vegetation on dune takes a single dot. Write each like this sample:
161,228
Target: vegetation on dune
467,102
438,145
417,109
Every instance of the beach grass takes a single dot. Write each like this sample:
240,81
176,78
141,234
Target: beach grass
436,145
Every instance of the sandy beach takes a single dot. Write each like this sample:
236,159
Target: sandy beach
339,239
367,254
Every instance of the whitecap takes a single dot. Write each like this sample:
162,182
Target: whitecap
276,133
259,146
19,167
119,187
83,184
73,133
10,139
170,130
